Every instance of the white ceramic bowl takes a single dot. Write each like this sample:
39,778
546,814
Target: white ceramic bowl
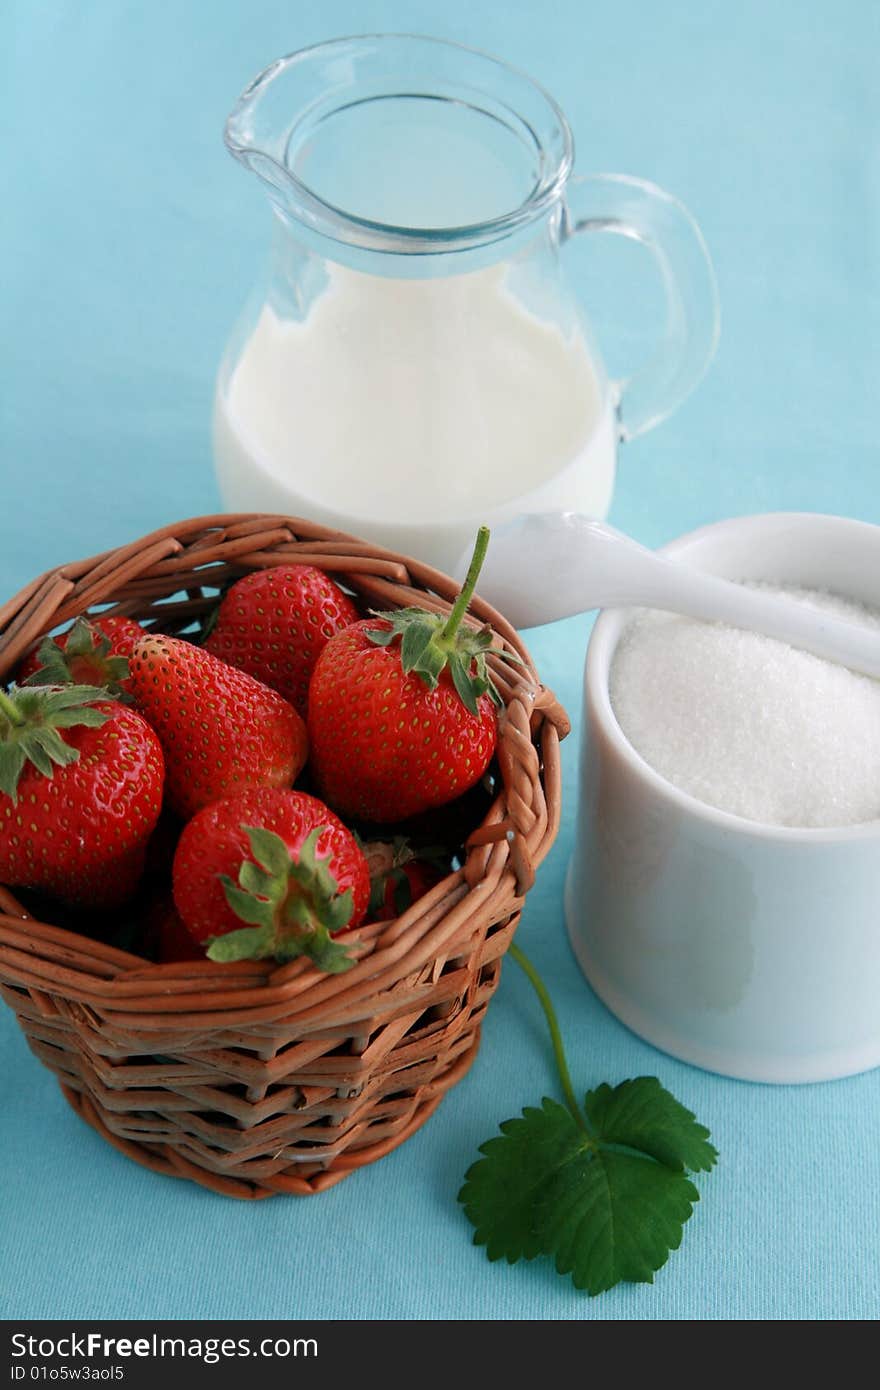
748,949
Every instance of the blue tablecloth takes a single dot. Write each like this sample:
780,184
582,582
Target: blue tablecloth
127,243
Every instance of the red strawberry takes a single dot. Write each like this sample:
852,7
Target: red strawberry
398,876
175,942
160,850
80,793
281,862
156,931
94,651
221,729
275,623
402,710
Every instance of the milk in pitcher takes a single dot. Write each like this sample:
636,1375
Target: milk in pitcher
407,411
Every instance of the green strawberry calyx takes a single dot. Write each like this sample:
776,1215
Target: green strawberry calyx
30,720
429,643
291,902
85,652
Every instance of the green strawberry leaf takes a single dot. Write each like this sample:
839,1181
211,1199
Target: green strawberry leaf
338,911
561,1183
329,956
12,761
54,700
464,683
501,1191
83,640
602,1190
68,718
269,850
608,1216
30,718
250,943
381,636
39,754
431,642
258,883
290,901
642,1115
259,912
414,644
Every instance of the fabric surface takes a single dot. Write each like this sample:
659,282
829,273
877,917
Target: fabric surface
129,241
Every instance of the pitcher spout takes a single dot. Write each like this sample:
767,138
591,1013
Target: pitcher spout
257,130
446,149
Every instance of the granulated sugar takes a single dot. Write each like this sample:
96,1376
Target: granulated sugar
748,724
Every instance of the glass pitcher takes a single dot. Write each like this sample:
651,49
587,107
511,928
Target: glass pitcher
415,362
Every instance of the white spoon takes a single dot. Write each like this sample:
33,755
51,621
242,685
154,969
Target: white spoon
544,567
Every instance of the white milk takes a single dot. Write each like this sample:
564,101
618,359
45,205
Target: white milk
409,411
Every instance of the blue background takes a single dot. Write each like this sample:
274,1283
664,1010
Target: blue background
128,241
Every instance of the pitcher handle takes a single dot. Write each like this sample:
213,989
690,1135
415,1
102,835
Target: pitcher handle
638,209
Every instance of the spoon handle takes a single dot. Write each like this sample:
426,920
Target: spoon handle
802,625
549,566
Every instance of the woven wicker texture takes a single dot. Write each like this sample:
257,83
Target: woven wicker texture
253,1078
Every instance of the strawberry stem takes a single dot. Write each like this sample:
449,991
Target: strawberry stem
429,645
542,992
460,606
10,709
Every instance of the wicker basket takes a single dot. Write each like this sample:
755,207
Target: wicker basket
252,1078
